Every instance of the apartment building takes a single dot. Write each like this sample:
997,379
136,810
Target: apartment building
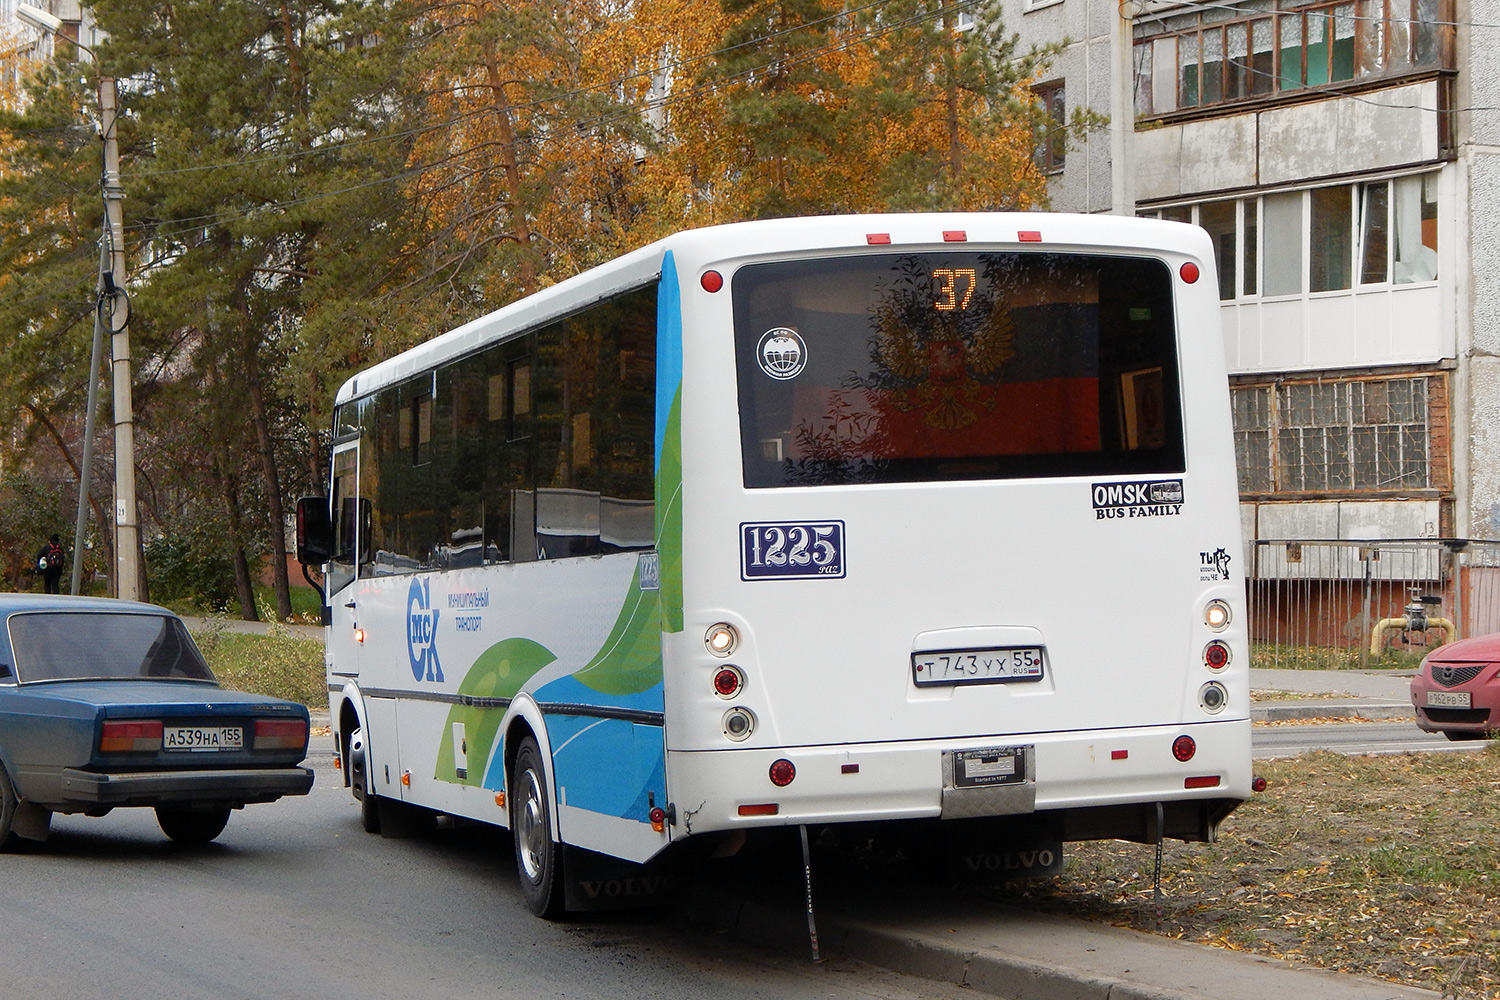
1344,155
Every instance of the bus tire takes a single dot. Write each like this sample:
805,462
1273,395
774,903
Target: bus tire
538,858
358,759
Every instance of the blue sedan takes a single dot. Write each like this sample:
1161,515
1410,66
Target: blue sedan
109,703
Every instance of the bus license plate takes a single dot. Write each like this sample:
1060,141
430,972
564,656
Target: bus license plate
977,666
202,738
1448,699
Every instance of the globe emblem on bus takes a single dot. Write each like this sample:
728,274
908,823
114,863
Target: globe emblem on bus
783,355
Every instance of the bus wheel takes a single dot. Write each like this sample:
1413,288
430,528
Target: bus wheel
538,859
359,765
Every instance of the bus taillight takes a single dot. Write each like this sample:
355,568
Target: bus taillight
1216,655
728,681
1183,748
721,639
738,724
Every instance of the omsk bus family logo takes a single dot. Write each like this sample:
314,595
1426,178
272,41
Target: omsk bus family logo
421,632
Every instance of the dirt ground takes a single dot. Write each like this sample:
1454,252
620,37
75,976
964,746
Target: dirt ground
1384,866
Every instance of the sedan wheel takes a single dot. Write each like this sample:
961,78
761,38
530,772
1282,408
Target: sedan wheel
192,826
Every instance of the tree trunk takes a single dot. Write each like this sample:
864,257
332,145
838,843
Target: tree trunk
266,447
511,166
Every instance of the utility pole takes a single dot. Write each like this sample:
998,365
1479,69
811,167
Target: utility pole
1122,110
112,282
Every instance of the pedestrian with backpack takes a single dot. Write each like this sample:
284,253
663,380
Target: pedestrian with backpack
49,563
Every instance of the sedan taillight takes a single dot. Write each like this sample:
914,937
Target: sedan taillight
135,736
279,734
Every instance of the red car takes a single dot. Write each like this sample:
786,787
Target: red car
1456,690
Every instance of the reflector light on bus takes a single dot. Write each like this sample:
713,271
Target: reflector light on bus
1203,781
763,809
782,773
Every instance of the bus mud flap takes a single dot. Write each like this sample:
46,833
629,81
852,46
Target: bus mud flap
1002,849
599,882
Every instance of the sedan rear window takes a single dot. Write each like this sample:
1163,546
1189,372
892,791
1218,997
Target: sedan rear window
58,646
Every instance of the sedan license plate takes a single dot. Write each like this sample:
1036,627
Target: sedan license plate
977,666
202,738
1448,699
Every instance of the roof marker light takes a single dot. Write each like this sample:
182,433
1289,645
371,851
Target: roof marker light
878,239
1189,272
955,236
1029,236
711,281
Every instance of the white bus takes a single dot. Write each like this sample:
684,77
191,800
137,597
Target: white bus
919,525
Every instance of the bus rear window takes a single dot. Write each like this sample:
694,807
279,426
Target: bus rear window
953,366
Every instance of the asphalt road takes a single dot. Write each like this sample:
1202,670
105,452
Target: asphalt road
296,901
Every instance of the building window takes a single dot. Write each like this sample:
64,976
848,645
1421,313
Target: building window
1285,46
1365,435
1052,146
1375,233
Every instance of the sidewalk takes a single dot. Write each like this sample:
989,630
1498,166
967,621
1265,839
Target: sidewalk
1019,955
1360,694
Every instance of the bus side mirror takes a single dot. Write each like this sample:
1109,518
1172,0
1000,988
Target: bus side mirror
314,531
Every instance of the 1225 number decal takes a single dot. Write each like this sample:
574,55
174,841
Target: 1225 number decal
792,549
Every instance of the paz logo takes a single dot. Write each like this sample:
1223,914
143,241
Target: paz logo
421,632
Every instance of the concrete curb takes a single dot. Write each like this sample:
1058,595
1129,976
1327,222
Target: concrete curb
1284,711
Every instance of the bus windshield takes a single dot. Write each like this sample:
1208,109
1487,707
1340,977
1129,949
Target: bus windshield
918,367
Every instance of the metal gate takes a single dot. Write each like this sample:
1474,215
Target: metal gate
1381,603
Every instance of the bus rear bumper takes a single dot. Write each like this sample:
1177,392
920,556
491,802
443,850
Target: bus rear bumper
1104,784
